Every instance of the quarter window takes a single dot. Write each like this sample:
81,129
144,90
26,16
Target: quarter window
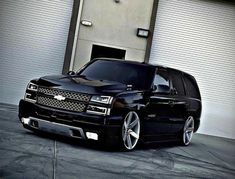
191,87
177,82
162,78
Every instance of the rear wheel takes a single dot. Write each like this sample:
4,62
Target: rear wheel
188,131
130,130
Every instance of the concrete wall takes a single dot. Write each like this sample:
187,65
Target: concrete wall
113,25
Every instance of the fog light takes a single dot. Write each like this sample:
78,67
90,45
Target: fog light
25,120
92,135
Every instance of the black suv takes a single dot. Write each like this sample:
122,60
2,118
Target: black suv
115,101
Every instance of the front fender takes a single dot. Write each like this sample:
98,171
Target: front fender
129,101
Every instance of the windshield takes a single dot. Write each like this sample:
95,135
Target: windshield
139,76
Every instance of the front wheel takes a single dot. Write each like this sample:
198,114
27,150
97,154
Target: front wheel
130,130
188,131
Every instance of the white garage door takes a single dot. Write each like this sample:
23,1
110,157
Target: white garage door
33,38
198,37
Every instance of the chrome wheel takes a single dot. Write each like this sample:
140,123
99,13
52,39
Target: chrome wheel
131,130
188,130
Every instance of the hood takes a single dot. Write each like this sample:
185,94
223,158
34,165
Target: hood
82,84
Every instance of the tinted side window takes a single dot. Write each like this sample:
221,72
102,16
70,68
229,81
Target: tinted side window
162,78
191,87
177,82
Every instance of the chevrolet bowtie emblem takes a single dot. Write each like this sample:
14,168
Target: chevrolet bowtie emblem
59,97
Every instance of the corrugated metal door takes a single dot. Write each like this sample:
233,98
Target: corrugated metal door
33,38
199,37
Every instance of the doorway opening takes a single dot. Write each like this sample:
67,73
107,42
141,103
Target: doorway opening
107,52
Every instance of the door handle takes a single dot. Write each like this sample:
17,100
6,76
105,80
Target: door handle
174,91
171,103
180,102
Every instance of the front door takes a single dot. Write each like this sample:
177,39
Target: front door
158,113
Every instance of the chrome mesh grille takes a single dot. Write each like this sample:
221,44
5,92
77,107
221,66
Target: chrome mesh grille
66,94
67,105
73,101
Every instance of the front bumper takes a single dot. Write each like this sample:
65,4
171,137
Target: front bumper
62,129
72,124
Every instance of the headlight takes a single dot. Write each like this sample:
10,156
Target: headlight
102,99
30,94
32,87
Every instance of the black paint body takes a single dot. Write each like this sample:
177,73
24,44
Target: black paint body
162,112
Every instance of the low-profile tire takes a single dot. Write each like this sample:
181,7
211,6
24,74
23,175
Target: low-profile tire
130,131
188,131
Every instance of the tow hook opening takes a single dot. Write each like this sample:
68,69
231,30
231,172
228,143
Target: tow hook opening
76,133
34,123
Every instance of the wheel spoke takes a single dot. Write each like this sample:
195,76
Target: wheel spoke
187,137
190,129
188,124
133,124
129,118
135,135
129,143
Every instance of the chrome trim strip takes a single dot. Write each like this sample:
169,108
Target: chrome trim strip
108,111
110,100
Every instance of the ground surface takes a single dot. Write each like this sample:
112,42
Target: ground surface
24,154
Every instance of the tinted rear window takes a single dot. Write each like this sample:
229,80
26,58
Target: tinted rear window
177,82
191,87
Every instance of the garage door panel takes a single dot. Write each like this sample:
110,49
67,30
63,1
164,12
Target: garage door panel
33,39
199,37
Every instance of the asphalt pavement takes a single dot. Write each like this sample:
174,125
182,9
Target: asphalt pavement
24,154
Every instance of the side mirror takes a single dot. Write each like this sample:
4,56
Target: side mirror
71,73
164,89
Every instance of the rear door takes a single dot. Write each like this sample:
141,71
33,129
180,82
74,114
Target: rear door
179,102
